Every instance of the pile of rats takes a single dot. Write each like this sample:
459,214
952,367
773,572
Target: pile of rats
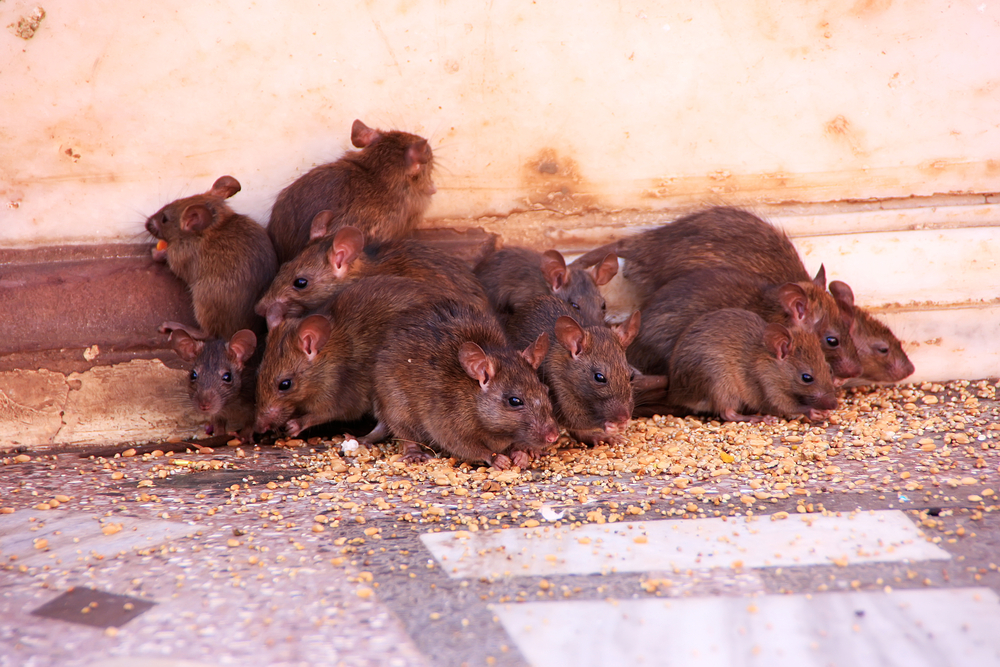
333,313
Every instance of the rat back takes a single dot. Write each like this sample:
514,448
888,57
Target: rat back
514,276
383,190
323,268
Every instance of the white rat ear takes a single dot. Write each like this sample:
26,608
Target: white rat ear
607,269
477,365
571,335
629,329
313,333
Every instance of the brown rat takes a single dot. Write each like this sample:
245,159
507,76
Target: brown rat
732,363
802,305
382,189
719,237
881,353
585,369
447,376
725,237
319,369
225,258
328,263
514,276
222,381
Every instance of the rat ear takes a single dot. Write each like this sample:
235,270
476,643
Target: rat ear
313,333
225,187
554,269
186,347
476,364
607,269
196,218
535,353
629,329
320,223
777,340
241,346
820,279
571,335
348,243
363,136
794,301
417,155
844,297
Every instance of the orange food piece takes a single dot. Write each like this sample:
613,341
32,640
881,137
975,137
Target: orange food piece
161,245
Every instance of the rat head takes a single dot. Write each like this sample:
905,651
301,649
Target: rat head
403,157
577,286
589,376
511,402
812,308
217,373
799,370
286,379
314,275
193,214
881,353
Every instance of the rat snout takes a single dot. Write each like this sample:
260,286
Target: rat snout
844,369
275,314
549,431
902,368
207,403
269,418
827,401
619,426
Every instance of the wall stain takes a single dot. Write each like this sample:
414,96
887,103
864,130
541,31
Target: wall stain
841,130
554,183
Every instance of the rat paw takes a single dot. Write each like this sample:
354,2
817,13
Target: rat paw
413,453
500,462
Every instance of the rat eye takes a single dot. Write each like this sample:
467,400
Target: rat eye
604,305
227,377
808,379
515,402
284,385
574,304
882,349
300,283
832,341
194,375
600,378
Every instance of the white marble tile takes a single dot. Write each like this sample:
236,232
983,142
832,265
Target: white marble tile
72,536
914,628
644,546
